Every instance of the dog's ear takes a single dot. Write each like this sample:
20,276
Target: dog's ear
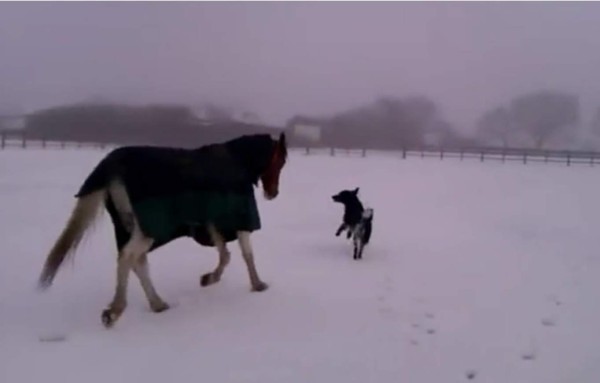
356,191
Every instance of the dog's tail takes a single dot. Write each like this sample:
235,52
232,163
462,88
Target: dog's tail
368,219
82,217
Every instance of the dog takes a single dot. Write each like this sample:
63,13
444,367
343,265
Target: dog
357,221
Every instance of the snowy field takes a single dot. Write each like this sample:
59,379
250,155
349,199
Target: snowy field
483,272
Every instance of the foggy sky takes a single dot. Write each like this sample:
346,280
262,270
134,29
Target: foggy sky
279,59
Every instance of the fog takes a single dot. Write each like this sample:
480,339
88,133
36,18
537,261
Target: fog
281,59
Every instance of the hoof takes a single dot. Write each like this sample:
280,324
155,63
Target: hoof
208,279
159,307
261,286
109,317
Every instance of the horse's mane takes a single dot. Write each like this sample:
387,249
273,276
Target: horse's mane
254,152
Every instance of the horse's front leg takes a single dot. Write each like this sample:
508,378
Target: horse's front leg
244,241
224,258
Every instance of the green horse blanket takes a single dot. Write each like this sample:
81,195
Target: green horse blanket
177,192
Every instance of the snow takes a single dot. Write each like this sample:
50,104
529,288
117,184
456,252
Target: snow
484,272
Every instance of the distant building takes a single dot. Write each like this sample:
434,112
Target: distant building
12,122
305,131
212,113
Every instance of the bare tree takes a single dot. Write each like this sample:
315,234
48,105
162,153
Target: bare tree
595,124
496,124
545,114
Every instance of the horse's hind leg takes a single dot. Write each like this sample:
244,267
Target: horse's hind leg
224,258
137,246
244,241
142,271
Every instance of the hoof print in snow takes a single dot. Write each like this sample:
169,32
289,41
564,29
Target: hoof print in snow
414,342
471,374
556,301
528,356
415,325
548,322
430,331
386,310
53,338
429,316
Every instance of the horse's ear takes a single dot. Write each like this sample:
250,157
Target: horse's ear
356,190
282,140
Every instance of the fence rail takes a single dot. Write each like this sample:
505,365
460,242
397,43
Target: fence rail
525,156
482,154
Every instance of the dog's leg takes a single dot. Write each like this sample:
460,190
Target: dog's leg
360,248
357,241
244,241
142,271
224,258
340,229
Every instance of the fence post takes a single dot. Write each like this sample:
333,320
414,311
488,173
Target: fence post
23,141
307,150
403,153
482,156
503,156
364,152
3,139
442,154
332,151
592,160
568,158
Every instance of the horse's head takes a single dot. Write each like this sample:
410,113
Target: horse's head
270,176
262,157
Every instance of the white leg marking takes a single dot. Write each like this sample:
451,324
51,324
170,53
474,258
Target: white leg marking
120,198
142,269
224,258
137,246
244,241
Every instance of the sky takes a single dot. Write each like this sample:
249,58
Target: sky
315,58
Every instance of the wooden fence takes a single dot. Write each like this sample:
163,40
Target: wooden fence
525,156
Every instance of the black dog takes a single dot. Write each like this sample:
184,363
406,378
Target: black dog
357,221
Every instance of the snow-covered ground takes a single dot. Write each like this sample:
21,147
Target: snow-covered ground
486,271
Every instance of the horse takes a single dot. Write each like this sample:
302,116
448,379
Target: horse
155,195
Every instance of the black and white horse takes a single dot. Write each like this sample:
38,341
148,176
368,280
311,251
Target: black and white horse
155,195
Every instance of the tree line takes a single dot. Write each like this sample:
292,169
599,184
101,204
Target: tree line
534,120
543,119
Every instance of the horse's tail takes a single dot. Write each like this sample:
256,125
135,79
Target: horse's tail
90,201
84,213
